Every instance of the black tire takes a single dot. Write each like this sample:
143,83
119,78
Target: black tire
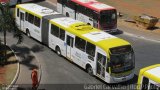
90,70
67,14
88,24
58,51
28,33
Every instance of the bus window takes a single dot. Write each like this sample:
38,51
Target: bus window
145,83
30,18
37,21
81,9
70,41
62,34
71,4
80,44
89,12
90,49
26,16
22,16
17,12
55,30
153,87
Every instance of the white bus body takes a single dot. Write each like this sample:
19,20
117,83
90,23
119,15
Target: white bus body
75,40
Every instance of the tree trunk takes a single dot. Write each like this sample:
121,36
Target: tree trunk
5,51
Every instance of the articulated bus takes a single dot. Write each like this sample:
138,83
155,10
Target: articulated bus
99,53
95,13
14,2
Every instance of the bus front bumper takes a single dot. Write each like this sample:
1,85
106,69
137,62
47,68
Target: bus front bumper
121,79
111,30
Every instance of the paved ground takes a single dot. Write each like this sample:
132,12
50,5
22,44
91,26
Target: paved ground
27,61
57,72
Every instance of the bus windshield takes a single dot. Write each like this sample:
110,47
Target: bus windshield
108,19
122,59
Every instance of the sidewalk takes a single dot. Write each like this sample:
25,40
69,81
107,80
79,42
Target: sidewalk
27,61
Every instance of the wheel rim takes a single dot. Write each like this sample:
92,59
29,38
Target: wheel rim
28,34
58,51
90,71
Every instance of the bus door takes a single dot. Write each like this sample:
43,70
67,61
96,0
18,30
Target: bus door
22,20
69,47
101,63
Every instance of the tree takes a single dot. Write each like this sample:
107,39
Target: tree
7,23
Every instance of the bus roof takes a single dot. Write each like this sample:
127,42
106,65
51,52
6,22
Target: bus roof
94,5
152,72
37,10
87,32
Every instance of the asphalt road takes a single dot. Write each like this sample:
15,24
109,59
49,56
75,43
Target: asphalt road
57,71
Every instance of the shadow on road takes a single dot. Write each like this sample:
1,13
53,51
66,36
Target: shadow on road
118,32
26,57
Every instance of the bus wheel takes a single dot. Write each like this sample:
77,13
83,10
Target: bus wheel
58,51
88,24
67,14
90,70
28,33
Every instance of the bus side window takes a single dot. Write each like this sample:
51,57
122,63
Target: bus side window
90,49
17,12
62,34
80,43
145,83
30,18
153,87
55,30
95,15
26,16
89,12
80,9
37,21
71,4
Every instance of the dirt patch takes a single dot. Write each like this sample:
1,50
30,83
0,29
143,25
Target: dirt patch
8,71
136,7
122,22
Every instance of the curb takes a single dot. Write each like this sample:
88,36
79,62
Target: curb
17,73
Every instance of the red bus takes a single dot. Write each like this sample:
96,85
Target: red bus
95,13
14,2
